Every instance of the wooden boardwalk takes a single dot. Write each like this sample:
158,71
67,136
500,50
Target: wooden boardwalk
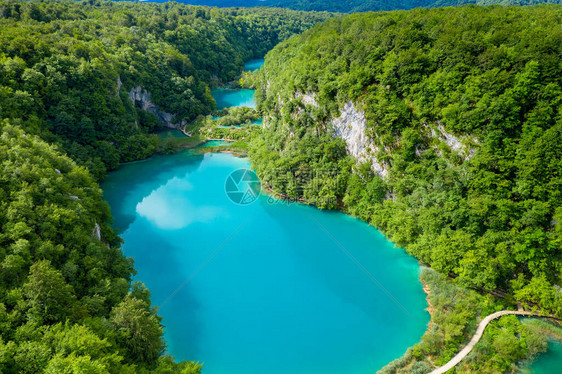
479,331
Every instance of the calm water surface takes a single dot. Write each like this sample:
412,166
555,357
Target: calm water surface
267,287
227,98
253,65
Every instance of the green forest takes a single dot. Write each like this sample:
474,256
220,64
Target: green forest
352,6
492,77
67,68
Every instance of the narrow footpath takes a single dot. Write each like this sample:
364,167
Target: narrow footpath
479,331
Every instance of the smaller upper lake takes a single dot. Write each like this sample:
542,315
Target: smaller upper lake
254,64
228,98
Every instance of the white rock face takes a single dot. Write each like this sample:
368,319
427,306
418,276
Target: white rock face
96,233
307,98
119,84
351,126
141,98
456,144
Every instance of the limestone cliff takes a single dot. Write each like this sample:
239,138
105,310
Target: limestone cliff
141,98
351,126
464,146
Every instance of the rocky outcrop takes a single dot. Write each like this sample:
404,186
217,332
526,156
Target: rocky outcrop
456,144
307,98
96,232
141,98
119,84
351,126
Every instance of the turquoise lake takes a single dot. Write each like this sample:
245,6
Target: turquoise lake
266,287
227,98
254,64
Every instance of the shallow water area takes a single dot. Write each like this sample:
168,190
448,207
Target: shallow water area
549,362
169,133
214,143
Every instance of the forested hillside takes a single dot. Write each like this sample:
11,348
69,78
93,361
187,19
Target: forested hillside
66,68
353,6
455,116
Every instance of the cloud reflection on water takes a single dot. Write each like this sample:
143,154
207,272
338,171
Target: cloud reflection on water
170,208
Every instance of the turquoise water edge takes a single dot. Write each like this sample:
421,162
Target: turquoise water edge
549,362
266,287
254,64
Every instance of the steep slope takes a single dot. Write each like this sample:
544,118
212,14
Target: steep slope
78,73
441,127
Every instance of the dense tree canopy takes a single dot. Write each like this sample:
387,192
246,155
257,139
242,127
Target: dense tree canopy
66,68
490,77
352,6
